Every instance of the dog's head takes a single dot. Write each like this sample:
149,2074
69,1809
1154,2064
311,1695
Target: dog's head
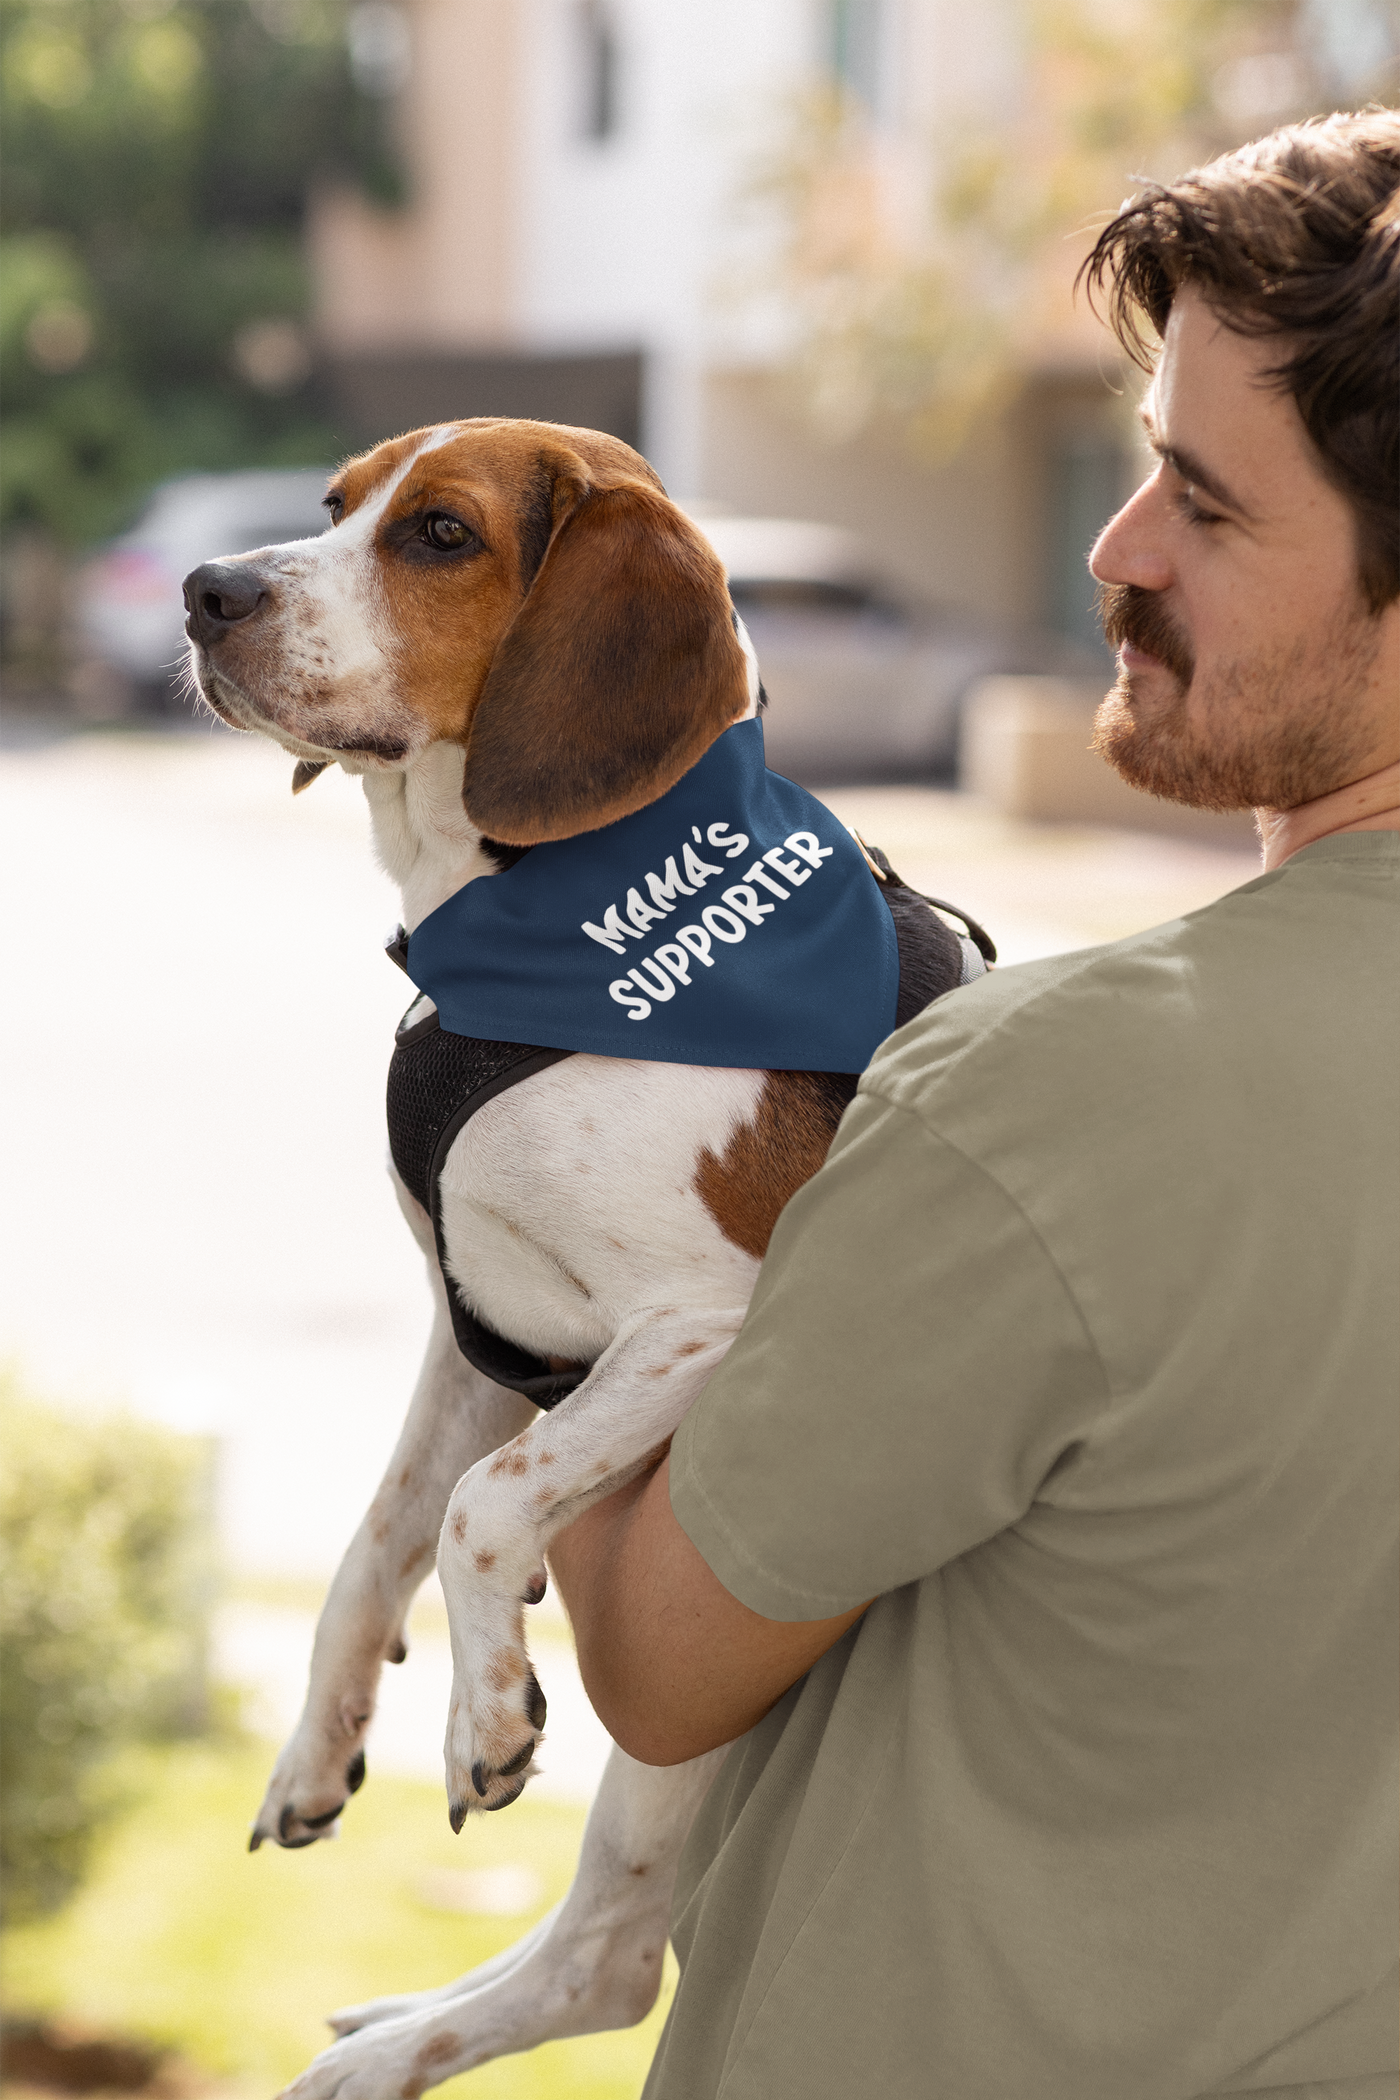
521,589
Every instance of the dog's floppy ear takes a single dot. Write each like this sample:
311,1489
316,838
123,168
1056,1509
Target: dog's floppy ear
620,670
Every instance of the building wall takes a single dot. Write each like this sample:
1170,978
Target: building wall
443,274
541,230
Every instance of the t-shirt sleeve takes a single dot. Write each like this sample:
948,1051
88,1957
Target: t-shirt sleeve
911,1368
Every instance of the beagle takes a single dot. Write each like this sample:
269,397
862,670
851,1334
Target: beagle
513,637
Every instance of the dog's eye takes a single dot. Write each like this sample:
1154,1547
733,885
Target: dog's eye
336,506
444,531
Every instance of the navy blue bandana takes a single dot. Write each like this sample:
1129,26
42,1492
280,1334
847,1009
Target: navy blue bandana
733,922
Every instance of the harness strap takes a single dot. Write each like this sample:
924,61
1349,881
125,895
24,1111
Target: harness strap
437,1082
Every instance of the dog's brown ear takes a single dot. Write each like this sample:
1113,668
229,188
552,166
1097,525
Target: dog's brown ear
620,670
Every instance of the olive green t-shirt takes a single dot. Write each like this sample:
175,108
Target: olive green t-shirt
1080,1356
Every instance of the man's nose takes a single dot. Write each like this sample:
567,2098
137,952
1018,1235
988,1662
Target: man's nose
1130,548
218,595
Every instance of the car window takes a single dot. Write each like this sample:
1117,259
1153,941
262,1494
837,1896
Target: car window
804,594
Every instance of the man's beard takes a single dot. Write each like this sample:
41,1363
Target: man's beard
1267,731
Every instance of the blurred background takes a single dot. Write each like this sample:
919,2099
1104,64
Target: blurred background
814,258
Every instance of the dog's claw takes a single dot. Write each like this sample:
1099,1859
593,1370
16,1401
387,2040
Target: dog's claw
535,1704
479,1778
506,1799
457,1816
255,1840
355,1770
320,1822
285,1822
399,1652
517,1763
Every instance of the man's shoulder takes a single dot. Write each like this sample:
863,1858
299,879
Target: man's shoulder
1078,1004
1096,1018
1110,1022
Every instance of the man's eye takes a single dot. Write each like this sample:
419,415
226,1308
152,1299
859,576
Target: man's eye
1192,512
446,532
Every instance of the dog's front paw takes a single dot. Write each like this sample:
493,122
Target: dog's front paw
393,2060
310,1785
367,2066
494,1726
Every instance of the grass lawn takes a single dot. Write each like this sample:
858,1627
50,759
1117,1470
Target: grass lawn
183,1937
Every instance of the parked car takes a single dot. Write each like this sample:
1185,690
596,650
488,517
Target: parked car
131,614
859,681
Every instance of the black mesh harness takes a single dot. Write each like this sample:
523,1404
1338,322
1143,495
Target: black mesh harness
438,1081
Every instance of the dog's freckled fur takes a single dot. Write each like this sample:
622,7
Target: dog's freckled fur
505,1670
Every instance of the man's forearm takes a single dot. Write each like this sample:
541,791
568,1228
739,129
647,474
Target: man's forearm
673,1664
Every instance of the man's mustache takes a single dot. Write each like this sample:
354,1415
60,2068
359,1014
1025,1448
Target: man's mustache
1140,618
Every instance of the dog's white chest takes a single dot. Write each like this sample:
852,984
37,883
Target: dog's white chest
569,1201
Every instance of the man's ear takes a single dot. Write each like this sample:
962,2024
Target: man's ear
620,670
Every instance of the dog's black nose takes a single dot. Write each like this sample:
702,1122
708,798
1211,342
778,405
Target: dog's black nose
218,595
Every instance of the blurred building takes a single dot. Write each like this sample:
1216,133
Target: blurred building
575,232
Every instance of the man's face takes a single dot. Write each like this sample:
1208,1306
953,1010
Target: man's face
1250,672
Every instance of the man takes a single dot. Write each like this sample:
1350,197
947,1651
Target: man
1078,1357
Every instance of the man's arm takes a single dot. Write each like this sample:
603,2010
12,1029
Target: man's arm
673,1664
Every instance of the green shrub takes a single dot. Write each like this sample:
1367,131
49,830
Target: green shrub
104,1604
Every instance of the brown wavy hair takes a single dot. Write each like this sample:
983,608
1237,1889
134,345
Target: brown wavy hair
1297,235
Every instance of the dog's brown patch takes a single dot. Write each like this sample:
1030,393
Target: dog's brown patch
690,1349
414,1560
510,1461
485,1562
504,1670
440,2050
459,1526
766,1161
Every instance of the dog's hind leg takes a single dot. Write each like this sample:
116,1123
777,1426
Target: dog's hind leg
593,1963
456,1417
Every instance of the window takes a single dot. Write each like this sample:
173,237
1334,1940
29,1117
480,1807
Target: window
857,49
1086,488
597,66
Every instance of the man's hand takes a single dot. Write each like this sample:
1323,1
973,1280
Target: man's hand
673,1664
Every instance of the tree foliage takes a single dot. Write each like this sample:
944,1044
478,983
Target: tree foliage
921,274
157,159
104,1597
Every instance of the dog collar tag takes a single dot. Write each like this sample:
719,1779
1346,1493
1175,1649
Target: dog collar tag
733,922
